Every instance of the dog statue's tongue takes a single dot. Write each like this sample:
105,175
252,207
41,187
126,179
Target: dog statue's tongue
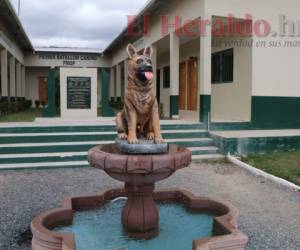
149,75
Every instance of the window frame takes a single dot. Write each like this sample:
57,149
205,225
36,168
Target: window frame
220,55
166,71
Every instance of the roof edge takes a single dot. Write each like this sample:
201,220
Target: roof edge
57,49
123,32
13,12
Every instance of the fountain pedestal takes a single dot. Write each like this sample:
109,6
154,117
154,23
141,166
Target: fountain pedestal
140,216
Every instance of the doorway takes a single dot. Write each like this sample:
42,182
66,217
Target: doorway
192,84
43,91
188,90
158,85
182,86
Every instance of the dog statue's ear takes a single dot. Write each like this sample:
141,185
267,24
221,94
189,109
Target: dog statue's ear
131,51
148,51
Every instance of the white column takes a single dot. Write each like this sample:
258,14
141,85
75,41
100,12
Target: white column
23,81
174,64
119,80
205,74
4,73
154,66
125,75
174,75
18,79
205,62
115,82
112,82
12,77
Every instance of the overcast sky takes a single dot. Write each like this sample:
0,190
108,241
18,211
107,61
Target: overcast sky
75,23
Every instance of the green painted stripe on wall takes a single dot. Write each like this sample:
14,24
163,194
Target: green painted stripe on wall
275,112
174,107
205,107
245,146
231,126
205,152
268,112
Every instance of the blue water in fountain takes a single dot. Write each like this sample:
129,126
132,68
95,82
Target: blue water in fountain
101,229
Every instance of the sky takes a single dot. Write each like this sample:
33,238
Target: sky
75,23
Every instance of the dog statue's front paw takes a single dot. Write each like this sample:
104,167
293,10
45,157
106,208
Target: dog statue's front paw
122,136
132,140
150,136
158,140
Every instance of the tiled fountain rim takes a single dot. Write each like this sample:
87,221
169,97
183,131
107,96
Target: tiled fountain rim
139,164
225,223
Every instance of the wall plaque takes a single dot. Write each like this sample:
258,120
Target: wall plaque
78,92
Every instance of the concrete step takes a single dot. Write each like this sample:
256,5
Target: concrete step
77,159
14,138
88,128
44,165
57,154
208,157
42,157
66,146
80,163
75,156
81,146
46,158
204,150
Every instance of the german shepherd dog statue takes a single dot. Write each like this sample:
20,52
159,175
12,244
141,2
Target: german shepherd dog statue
139,117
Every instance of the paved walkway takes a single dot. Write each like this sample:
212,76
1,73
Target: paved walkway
269,214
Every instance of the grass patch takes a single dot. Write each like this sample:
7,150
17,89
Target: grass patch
24,116
284,164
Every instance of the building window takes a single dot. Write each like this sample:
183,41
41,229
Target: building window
222,66
166,77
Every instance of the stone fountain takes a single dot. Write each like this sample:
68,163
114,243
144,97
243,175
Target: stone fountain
139,159
139,173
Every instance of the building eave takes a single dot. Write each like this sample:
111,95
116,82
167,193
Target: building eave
150,7
10,16
54,49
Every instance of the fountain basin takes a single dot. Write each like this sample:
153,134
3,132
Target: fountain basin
140,216
225,233
101,228
138,170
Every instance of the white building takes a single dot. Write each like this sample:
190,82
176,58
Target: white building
221,78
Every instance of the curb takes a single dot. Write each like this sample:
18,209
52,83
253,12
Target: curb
259,172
